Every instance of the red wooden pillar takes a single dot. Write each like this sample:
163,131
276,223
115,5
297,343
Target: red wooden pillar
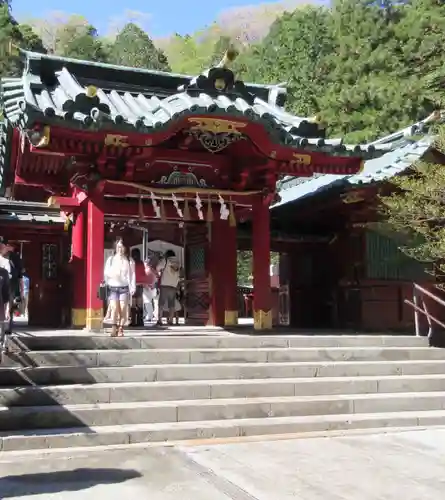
78,272
262,298
95,264
230,275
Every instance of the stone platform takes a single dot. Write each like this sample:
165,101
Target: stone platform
68,389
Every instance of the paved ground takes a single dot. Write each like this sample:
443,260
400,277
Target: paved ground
408,465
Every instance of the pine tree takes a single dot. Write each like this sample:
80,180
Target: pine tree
134,48
414,212
422,45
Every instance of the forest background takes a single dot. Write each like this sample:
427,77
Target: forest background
367,68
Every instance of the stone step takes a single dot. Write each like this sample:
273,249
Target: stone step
51,417
61,375
119,357
201,430
82,342
216,389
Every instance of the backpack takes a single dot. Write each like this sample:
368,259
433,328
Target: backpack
16,273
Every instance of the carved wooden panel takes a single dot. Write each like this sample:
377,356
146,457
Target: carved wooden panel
197,298
50,258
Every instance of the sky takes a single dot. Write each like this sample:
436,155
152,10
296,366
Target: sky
159,17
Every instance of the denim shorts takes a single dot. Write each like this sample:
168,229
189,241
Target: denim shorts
120,293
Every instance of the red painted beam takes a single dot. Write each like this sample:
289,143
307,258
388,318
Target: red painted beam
309,163
118,144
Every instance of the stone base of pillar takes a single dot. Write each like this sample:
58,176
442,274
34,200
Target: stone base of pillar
262,320
94,319
230,318
78,317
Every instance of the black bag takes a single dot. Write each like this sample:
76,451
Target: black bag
102,292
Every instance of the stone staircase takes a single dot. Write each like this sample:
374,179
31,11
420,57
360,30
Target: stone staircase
74,391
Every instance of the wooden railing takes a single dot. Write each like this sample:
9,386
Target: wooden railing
420,309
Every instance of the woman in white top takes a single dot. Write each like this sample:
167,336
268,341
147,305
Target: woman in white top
119,275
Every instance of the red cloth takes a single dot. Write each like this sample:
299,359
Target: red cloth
141,277
145,277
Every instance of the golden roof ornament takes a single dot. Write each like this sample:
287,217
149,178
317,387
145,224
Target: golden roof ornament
228,58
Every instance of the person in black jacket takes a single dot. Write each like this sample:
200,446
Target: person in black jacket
4,292
12,262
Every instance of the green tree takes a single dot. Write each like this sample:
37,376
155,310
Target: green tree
413,213
188,55
244,268
78,39
421,44
133,47
12,35
294,51
369,91
245,263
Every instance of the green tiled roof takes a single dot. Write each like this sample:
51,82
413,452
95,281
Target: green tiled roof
408,145
53,90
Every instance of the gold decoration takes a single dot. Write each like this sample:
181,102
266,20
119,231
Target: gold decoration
228,58
91,91
319,121
52,202
78,317
186,210
230,318
220,84
362,167
44,141
352,197
302,159
262,320
94,319
68,223
116,140
216,126
232,217
41,138
216,135
209,211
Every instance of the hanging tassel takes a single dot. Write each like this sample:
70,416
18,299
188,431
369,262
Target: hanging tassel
223,211
186,210
209,210
232,218
176,205
163,218
199,207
